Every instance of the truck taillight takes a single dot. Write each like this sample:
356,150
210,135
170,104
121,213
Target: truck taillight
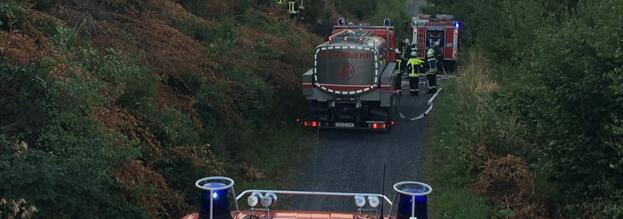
378,126
314,124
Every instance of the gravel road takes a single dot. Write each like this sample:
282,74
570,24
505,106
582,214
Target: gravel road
352,161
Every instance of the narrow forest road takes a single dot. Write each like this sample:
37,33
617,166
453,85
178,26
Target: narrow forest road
352,161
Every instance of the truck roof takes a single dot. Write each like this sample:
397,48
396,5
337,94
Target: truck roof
425,20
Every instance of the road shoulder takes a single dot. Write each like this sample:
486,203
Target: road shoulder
444,163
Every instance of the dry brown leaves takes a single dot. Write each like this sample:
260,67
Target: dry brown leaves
227,110
168,9
27,42
283,75
167,97
167,49
200,156
161,200
115,119
19,48
507,182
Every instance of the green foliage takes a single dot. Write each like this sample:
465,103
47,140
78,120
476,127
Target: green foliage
447,159
255,102
560,64
66,150
171,127
361,9
11,15
194,27
81,117
24,99
45,5
582,96
210,97
215,9
50,136
221,38
502,28
128,83
392,9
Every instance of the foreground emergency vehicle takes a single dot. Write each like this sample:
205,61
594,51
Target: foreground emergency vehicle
409,201
350,84
444,29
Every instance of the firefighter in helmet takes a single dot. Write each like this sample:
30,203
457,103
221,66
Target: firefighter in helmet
414,68
431,73
400,66
413,47
406,48
439,55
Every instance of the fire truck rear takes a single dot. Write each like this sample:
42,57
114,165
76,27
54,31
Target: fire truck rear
350,85
428,29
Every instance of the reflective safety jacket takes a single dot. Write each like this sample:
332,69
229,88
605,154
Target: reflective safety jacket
399,66
292,8
414,66
431,64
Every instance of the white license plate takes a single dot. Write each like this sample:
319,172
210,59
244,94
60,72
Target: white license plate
345,125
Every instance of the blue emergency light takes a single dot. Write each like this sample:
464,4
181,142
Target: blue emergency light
341,21
387,22
412,200
214,197
457,24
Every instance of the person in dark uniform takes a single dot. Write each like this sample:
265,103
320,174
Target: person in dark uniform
400,66
431,73
439,56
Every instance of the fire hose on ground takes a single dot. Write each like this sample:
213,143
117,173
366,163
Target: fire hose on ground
423,114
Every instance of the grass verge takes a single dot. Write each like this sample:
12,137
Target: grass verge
445,165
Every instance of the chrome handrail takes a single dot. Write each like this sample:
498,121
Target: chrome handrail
289,192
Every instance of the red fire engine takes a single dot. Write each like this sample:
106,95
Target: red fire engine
428,29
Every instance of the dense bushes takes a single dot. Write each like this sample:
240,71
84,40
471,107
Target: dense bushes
111,109
361,9
559,64
53,150
123,104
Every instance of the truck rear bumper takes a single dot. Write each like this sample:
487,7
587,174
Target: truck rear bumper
353,125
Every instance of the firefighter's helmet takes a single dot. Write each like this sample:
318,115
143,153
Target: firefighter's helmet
413,53
430,53
397,51
407,41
